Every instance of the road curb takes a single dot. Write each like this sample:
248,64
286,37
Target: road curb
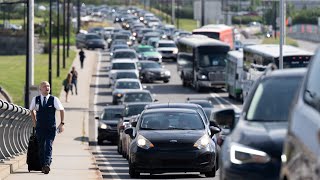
8,167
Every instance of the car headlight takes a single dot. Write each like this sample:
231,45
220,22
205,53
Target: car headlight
203,142
141,18
103,126
119,95
109,40
164,37
167,73
175,51
129,43
117,19
127,25
203,77
122,19
134,34
144,143
240,154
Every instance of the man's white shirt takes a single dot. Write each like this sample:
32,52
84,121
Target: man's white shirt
56,102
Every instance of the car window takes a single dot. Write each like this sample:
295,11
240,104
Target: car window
119,66
138,97
92,36
134,110
312,90
124,55
128,85
166,45
110,114
265,104
171,121
150,65
127,75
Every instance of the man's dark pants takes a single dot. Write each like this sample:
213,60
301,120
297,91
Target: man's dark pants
45,138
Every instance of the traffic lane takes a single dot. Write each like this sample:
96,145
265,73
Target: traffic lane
114,166
175,92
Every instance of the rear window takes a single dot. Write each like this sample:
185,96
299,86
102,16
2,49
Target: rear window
167,45
110,114
273,98
138,97
127,85
124,55
119,66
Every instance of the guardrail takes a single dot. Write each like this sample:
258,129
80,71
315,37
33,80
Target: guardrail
15,129
306,32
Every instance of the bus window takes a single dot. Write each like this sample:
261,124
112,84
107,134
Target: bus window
208,58
212,35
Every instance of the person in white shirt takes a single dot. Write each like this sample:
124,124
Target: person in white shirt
43,109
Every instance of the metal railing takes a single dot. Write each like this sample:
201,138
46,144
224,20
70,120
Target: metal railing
15,129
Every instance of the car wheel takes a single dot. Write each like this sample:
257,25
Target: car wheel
211,173
166,81
132,171
100,142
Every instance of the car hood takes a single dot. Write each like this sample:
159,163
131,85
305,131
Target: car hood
165,136
110,122
264,136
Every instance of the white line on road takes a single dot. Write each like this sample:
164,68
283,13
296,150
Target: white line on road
219,99
109,168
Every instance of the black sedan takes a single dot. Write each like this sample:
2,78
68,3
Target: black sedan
152,71
108,121
253,149
171,140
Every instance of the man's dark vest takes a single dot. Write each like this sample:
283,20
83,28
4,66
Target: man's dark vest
46,115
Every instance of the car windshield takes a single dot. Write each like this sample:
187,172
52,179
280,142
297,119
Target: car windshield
138,97
120,47
110,114
171,121
150,65
119,66
146,49
212,59
127,85
167,45
133,110
122,37
127,75
263,106
124,55
92,36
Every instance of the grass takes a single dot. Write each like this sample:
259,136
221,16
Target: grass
20,21
91,24
188,24
12,74
289,41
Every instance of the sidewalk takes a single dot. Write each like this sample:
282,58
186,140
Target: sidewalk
72,159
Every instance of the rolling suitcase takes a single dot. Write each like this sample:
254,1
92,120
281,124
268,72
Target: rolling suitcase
33,159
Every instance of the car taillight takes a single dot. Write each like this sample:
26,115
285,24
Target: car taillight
121,127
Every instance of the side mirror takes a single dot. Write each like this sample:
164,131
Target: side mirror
134,124
144,87
225,118
214,130
129,131
97,118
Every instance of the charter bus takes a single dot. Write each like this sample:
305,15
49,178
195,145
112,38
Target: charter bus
256,58
220,32
234,71
205,61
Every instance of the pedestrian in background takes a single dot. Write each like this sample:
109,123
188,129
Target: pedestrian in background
43,109
82,56
74,80
67,83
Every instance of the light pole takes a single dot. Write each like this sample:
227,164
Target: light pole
79,16
282,31
68,27
50,44
202,12
58,38
64,35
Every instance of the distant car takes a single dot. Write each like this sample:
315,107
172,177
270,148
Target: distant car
301,155
153,42
168,49
108,120
97,30
149,35
118,42
124,85
122,66
152,71
90,41
254,146
123,75
126,139
117,47
171,140
125,54
136,96
141,33
180,34
131,109
205,104
108,32
148,52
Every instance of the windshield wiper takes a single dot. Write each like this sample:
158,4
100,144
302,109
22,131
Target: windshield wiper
180,129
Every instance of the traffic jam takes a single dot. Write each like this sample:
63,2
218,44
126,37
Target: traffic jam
274,135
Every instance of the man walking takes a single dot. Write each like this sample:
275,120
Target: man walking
82,56
74,80
43,109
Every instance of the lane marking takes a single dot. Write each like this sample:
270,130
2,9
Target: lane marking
111,170
219,99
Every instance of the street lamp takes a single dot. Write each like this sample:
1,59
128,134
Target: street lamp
50,44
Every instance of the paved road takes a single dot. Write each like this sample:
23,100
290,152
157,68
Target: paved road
111,164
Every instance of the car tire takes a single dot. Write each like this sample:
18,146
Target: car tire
132,171
166,81
211,173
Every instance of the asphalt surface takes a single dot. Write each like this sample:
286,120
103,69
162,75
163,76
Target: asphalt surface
110,163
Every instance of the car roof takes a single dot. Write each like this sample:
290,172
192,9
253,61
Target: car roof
124,50
122,61
136,103
137,91
144,46
114,107
179,110
120,45
128,80
288,72
172,105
